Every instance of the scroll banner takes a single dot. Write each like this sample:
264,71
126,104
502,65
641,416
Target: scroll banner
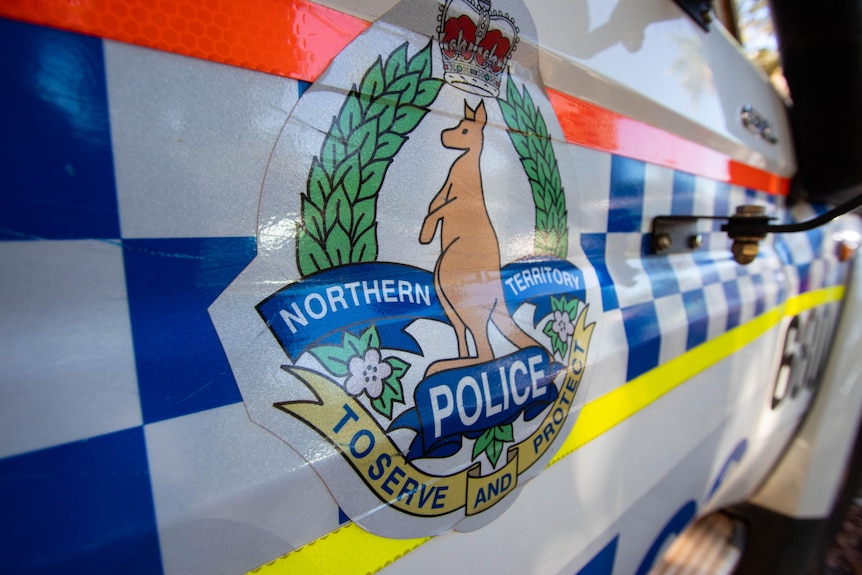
391,296
355,434
520,383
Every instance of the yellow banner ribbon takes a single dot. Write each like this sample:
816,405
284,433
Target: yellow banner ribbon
348,426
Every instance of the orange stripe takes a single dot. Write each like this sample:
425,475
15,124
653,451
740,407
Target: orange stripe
292,38
298,39
594,127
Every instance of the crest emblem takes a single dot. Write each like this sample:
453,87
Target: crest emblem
434,361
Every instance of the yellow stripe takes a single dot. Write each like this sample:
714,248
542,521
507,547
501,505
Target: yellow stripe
348,551
351,551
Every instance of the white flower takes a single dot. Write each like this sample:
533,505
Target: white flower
563,325
367,374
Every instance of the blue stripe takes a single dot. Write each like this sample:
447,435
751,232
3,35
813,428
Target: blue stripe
698,318
760,295
644,338
660,272
683,194
734,304
56,164
594,246
626,195
83,507
181,365
302,87
722,204
603,562
707,266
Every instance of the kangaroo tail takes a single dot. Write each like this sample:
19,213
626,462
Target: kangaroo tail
507,326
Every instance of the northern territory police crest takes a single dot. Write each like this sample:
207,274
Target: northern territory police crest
411,325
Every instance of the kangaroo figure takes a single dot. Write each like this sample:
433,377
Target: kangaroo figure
467,274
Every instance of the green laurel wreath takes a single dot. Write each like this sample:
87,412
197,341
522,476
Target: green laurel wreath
529,135
339,210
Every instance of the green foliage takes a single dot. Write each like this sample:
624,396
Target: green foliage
392,388
529,135
336,360
339,208
491,442
570,308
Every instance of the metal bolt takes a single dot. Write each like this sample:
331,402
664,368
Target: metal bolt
695,241
662,242
744,251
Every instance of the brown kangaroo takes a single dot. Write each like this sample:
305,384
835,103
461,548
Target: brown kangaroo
467,275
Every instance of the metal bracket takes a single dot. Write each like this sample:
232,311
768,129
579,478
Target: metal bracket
675,234
747,228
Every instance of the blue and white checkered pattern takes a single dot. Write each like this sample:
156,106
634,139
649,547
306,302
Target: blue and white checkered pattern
671,304
130,188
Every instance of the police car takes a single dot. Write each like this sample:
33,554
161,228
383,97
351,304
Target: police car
487,286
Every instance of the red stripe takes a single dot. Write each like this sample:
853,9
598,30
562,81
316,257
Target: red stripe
298,39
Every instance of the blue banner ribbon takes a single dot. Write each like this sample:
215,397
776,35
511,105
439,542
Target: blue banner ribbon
464,402
320,308
534,280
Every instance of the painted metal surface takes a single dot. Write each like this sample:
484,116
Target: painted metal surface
811,473
127,442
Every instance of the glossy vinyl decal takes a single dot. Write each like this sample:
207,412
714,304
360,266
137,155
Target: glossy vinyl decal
411,324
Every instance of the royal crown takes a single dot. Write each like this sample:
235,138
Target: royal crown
476,44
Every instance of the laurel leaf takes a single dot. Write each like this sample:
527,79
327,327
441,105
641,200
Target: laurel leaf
372,82
365,247
348,178
426,92
372,178
407,118
364,141
393,391
314,221
522,146
504,433
363,215
338,246
338,211
368,339
388,145
351,113
495,449
333,151
318,184
512,94
541,128
529,107
529,167
311,256
421,62
405,88
509,115
396,63
483,442
335,358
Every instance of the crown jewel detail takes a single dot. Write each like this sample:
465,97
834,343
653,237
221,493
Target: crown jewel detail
476,44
